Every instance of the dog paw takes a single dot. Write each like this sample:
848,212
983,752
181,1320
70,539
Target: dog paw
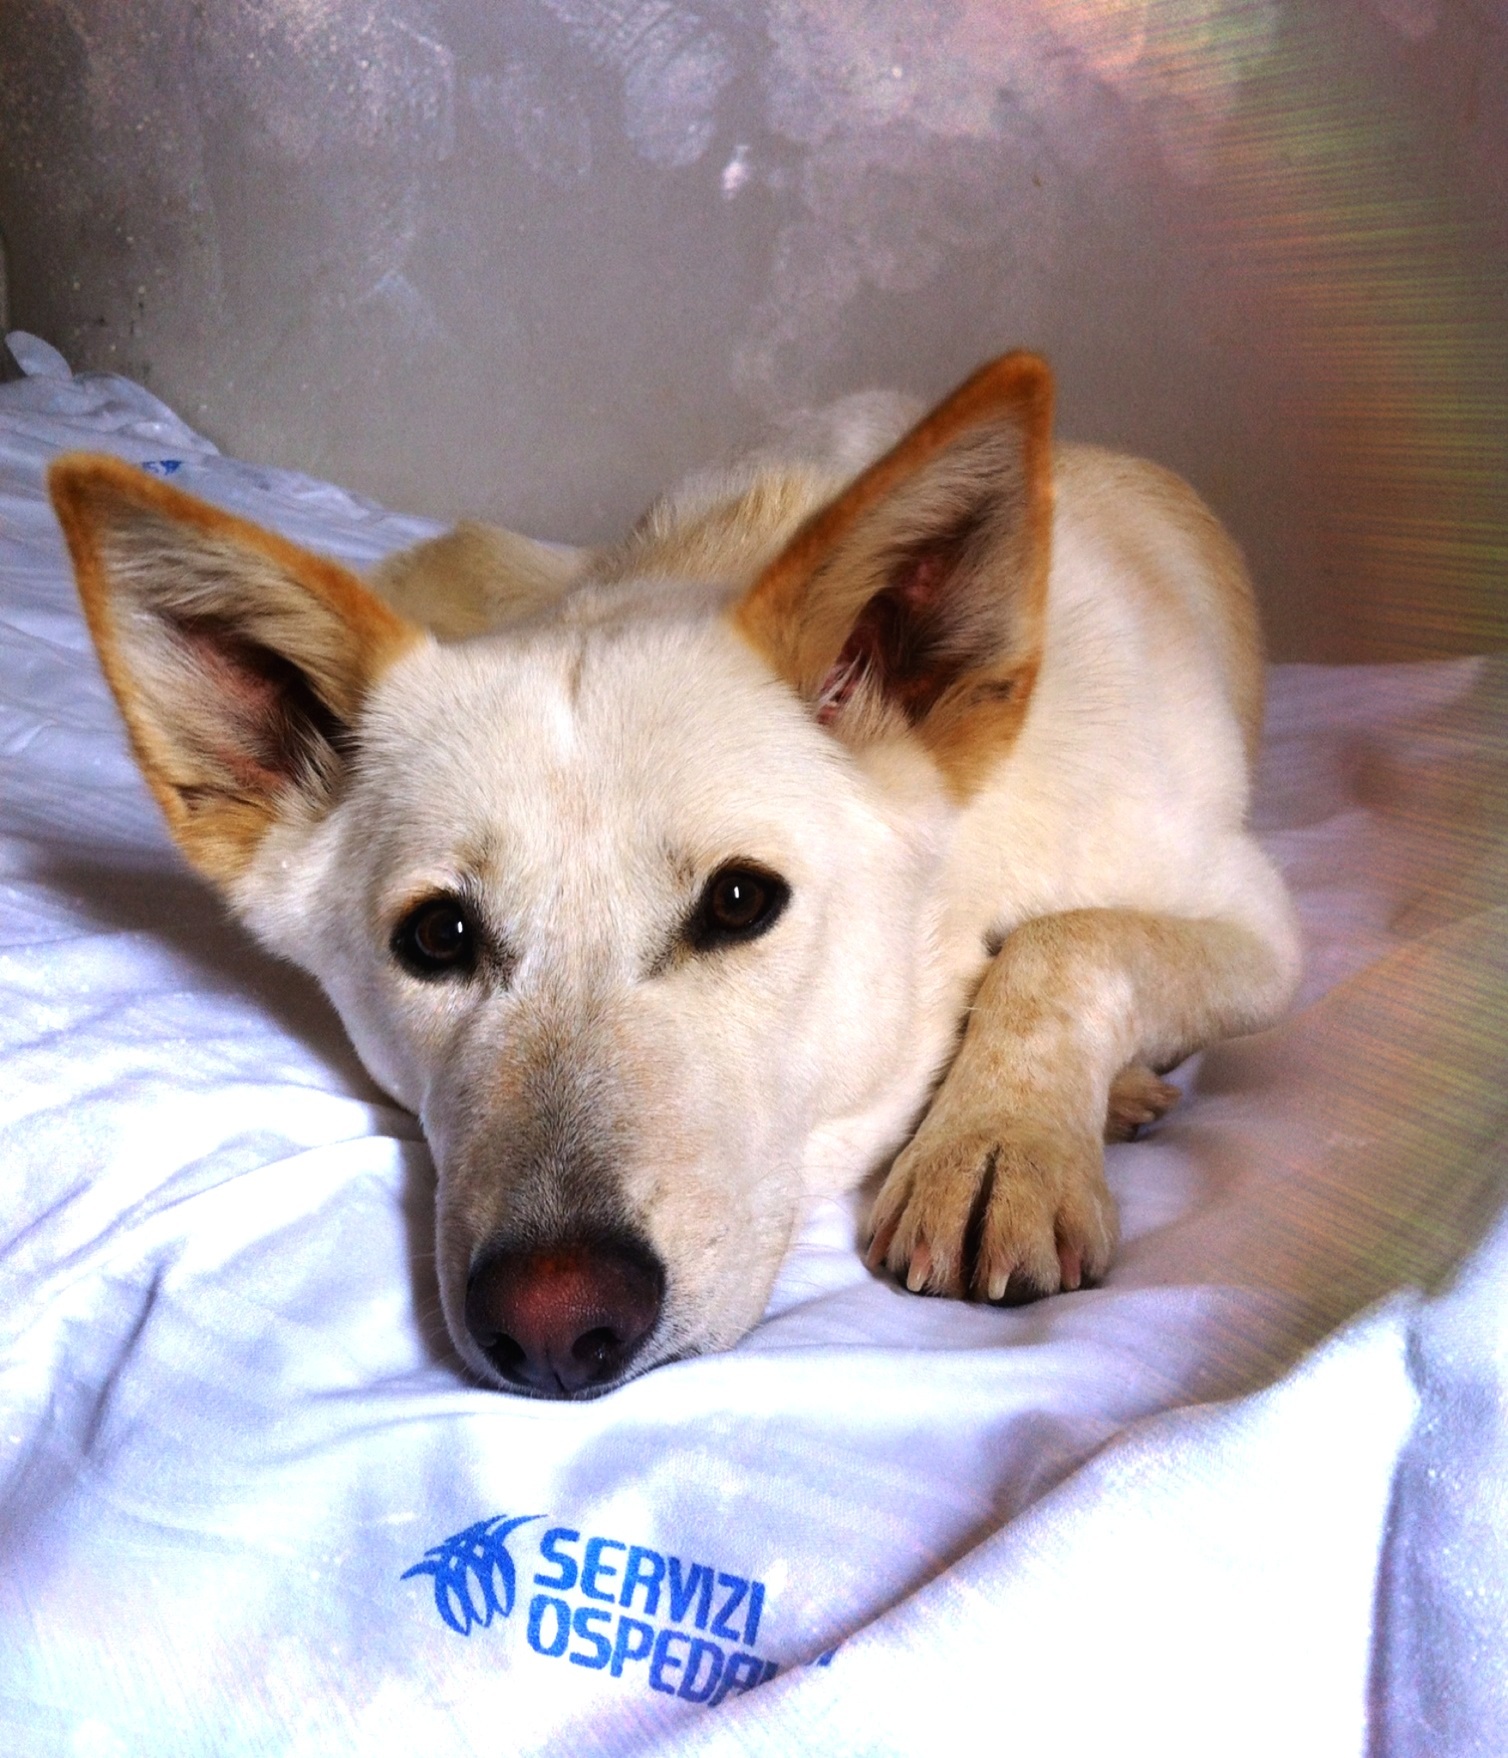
1137,1097
1008,1214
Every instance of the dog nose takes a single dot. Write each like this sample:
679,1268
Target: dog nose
563,1320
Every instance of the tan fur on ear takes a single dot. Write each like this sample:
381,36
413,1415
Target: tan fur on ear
238,659
972,480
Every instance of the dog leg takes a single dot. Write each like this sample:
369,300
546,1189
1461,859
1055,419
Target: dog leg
1002,1191
1137,1097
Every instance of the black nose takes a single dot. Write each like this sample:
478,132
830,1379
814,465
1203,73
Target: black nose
565,1319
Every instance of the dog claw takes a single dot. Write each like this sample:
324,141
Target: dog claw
996,1216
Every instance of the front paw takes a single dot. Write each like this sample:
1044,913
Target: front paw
1001,1214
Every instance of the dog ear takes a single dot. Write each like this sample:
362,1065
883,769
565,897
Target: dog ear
240,661
917,598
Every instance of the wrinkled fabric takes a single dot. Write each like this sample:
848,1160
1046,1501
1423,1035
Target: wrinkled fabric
1242,1497
1442,1652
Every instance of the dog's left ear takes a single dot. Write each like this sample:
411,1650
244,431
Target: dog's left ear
917,598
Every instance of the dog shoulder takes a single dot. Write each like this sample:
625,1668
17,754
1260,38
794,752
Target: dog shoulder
476,578
722,526
1155,542
728,523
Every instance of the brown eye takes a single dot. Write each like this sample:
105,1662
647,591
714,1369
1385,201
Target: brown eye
739,903
437,939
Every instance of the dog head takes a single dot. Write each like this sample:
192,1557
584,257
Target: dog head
635,900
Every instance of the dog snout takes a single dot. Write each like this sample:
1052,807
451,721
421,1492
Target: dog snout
565,1320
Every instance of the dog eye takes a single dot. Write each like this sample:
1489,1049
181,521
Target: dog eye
739,903
436,939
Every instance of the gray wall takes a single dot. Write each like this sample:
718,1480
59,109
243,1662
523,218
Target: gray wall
533,258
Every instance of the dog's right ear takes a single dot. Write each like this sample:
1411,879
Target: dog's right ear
917,598
240,661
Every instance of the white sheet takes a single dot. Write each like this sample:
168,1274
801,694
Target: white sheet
230,1427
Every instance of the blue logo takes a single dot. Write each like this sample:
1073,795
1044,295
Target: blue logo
473,1565
670,1623
163,466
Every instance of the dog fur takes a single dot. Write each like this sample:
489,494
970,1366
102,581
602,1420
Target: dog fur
985,710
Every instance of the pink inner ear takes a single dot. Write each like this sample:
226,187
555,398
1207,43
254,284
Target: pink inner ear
262,707
842,679
920,583
899,640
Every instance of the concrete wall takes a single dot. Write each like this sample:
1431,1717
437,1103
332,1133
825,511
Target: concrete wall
531,259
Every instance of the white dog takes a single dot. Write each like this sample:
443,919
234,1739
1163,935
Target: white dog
819,825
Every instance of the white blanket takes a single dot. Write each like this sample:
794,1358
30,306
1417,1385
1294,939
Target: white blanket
250,1504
